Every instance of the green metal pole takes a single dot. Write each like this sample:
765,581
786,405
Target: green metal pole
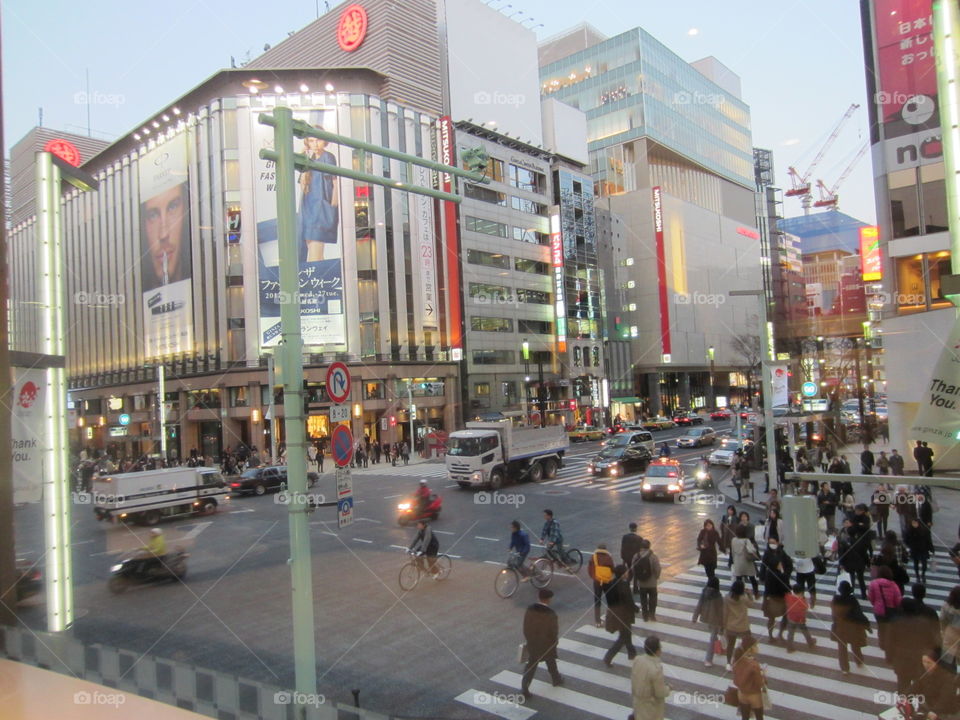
946,39
291,358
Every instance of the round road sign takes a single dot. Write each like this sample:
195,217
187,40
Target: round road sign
124,419
341,445
809,389
338,382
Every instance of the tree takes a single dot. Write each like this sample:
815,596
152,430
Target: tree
747,348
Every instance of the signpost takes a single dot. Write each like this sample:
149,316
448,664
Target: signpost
344,497
809,389
338,382
341,445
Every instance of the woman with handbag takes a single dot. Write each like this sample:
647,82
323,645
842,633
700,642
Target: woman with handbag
727,524
707,542
749,680
710,610
744,557
621,614
850,626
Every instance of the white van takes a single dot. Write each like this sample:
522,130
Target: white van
145,497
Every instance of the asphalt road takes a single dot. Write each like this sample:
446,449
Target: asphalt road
410,654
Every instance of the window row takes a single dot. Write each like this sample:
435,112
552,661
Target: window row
489,294
499,260
502,230
502,324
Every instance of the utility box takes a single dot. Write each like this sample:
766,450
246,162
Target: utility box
800,532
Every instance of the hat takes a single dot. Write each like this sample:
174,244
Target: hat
423,481
601,546
156,531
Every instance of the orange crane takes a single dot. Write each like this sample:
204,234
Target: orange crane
801,183
828,197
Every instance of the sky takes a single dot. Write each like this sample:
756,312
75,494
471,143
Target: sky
800,63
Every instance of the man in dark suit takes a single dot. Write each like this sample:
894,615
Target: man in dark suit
630,546
541,632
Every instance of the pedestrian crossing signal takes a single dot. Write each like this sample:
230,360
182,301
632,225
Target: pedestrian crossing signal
393,421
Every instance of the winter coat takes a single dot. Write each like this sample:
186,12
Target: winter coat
748,678
776,581
884,596
710,609
707,542
950,626
649,688
599,557
629,546
736,618
849,625
850,554
918,540
743,557
541,631
621,610
650,582
727,524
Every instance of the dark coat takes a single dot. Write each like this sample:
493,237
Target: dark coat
710,608
621,611
727,524
629,546
707,542
918,540
776,582
850,625
850,553
541,631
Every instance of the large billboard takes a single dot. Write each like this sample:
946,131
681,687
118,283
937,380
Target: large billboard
165,260
906,71
319,238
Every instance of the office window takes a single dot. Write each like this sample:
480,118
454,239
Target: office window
526,179
497,260
481,389
484,194
534,327
904,203
494,357
484,293
491,324
238,397
531,266
939,265
531,236
538,297
494,169
933,196
487,227
527,206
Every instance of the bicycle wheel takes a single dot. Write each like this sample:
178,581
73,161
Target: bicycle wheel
409,576
541,573
506,582
542,568
574,561
443,567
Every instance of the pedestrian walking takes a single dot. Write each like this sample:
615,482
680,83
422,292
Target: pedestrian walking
773,527
709,610
805,573
600,570
925,506
867,461
735,477
936,688
880,502
883,463
311,454
906,507
797,608
919,457
750,530
646,565
775,568
885,597
950,624
745,474
629,547
647,682
851,557
708,541
736,618
906,645
893,554
896,462
621,614
827,506
927,460
744,558
749,679
541,633
849,627
728,523
405,453
377,451
918,540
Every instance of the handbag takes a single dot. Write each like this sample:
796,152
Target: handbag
765,696
523,654
731,696
718,648
819,565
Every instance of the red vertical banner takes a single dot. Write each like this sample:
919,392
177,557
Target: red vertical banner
448,156
871,261
661,270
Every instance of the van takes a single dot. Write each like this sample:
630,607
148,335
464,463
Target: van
145,497
633,437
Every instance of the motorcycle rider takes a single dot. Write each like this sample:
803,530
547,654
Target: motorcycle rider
154,552
519,543
426,544
422,496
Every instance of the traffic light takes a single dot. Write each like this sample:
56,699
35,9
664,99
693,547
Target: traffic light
572,404
393,421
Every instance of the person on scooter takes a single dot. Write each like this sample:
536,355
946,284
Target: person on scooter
520,544
425,544
422,496
154,551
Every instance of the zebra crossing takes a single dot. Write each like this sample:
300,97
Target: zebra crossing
803,684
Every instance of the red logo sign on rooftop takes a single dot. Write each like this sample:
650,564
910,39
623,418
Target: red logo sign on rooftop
352,28
64,150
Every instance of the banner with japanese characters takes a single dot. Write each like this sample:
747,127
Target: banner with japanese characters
319,238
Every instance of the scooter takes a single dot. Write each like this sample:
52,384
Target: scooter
409,513
702,477
139,570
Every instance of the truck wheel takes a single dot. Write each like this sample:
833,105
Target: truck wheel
550,468
208,508
496,480
535,473
151,517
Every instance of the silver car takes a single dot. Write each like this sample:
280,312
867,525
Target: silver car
697,437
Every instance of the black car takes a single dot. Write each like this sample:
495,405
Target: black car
617,460
260,480
688,418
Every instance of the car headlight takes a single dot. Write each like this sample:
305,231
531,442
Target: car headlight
477,476
403,506
116,568
673,487
645,486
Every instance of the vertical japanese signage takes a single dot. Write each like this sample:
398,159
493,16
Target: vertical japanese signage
661,272
166,270
560,301
779,381
27,433
871,264
318,239
426,255
447,151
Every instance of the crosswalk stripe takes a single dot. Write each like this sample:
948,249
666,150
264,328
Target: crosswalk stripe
492,704
571,698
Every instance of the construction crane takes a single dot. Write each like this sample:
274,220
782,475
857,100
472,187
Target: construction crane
801,183
828,197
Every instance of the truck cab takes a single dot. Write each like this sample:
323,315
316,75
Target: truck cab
488,454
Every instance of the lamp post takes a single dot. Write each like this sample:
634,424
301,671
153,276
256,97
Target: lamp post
713,393
765,359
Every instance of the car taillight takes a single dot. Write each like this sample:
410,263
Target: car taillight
235,484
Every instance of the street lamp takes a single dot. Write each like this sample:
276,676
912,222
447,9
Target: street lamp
713,395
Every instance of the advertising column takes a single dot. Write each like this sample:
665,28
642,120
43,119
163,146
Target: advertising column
165,265
661,274
447,152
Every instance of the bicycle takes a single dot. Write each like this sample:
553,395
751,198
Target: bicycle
507,581
414,569
571,561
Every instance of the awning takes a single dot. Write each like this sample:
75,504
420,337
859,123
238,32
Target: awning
628,400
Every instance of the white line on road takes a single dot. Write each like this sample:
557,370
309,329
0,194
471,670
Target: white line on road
378,522
197,529
451,485
391,497
370,542
488,703
234,512
399,547
537,546
443,532
455,557
481,537
493,562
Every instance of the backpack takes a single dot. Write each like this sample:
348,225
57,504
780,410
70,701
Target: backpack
602,573
433,546
643,567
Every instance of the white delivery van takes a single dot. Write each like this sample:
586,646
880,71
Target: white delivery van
145,497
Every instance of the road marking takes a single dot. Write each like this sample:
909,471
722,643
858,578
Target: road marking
399,547
443,532
455,557
82,542
493,562
451,485
197,529
537,546
378,522
493,705
369,542
481,537
234,512
391,497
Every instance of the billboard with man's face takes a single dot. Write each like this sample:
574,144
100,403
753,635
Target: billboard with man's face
165,250
319,243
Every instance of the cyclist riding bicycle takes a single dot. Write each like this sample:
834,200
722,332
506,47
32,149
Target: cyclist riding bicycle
551,535
519,544
425,544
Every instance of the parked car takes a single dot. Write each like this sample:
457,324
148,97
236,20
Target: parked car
658,423
687,418
582,433
720,414
619,460
260,480
663,478
697,437
632,437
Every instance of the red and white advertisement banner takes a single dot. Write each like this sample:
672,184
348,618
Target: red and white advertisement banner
661,270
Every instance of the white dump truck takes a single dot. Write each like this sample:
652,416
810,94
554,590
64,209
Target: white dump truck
145,497
488,454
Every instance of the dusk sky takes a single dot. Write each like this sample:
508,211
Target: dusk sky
800,63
